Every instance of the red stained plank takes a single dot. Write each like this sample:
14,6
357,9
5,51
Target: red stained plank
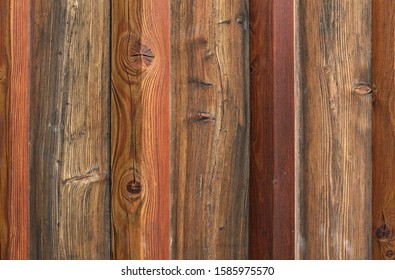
383,71
140,125
272,171
14,78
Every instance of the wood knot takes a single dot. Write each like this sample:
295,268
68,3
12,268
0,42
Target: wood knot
2,76
134,57
389,254
383,232
205,117
199,83
142,55
242,22
134,187
362,89
240,19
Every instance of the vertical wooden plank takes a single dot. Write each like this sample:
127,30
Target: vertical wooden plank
68,133
14,78
140,129
210,129
272,205
4,85
383,129
334,60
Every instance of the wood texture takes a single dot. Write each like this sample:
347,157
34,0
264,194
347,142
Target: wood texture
68,131
210,129
272,205
383,129
140,129
14,77
334,60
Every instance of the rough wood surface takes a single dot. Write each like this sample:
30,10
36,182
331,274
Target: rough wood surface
272,170
210,129
334,60
383,129
14,78
68,131
140,129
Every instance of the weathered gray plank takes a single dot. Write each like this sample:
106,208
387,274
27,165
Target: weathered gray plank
334,189
69,141
210,129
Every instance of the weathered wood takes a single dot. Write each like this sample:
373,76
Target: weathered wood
140,129
14,78
68,133
333,66
383,71
210,129
272,205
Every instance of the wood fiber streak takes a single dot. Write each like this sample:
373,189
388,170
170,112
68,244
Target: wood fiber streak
69,127
383,129
14,77
140,124
334,62
272,226
210,129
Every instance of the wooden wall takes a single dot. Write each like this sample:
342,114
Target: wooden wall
184,129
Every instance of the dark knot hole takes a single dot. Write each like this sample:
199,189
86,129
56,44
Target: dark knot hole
134,187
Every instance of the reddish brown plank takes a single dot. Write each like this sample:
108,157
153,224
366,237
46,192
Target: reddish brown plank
140,129
14,78
383,71
272,165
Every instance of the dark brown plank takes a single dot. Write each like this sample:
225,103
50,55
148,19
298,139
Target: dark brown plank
140,128
210,129
14,78
383,71
272,200
334,129
68,133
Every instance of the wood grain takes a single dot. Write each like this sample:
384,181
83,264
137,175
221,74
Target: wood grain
69,127
272,205
334,191
383,71
14,78
210,129
140,127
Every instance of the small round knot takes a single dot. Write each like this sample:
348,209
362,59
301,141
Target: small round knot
134,57
389,254
134,187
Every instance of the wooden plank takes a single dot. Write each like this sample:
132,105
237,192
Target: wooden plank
272,201
383,71
14,78
140,127
334,63
69,127
210,129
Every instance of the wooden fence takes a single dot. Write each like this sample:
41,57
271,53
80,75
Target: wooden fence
182,129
